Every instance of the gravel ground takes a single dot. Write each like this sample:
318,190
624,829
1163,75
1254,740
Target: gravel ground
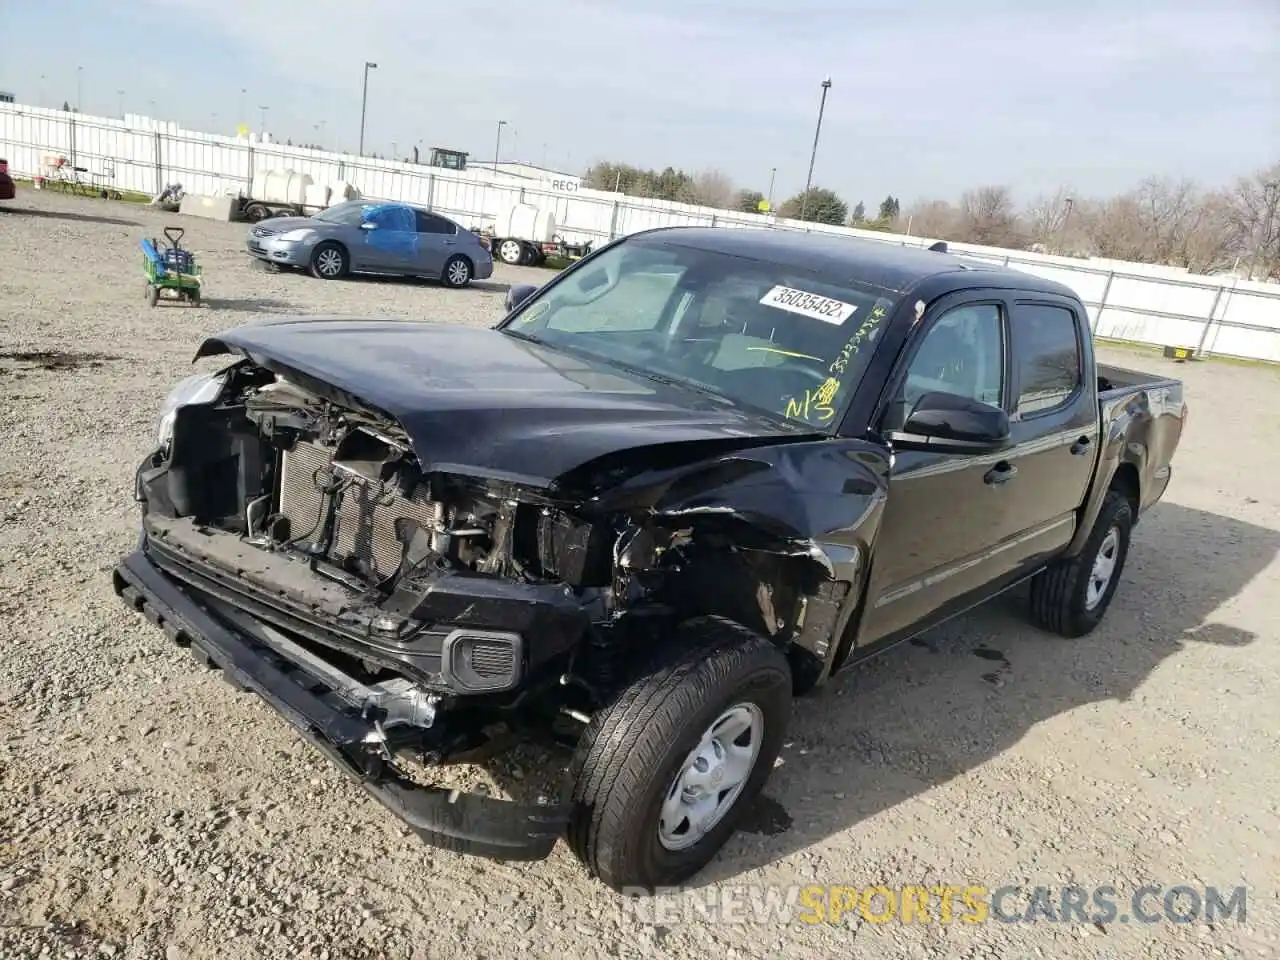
148,810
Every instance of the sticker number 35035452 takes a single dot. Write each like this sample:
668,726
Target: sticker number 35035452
808,305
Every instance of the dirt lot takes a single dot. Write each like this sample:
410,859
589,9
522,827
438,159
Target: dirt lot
148,810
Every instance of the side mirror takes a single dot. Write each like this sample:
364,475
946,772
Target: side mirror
953,423
519,293
368,225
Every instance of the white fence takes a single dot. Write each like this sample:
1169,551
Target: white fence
1127,301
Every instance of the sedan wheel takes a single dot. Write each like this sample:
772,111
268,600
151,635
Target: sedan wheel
329,262
457,272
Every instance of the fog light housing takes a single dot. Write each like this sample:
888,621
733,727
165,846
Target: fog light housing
482,661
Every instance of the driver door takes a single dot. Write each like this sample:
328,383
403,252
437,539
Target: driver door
944,518
390,244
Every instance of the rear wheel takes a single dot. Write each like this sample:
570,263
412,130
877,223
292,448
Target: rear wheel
457,272
329,261
664,773
153,294
1071,596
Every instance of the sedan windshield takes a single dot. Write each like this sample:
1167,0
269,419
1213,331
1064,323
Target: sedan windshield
349,213
785,340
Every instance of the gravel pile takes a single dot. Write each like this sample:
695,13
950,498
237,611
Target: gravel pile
147,810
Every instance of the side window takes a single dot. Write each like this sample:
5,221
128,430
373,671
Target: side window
389,216
962,353
430,223
1046,350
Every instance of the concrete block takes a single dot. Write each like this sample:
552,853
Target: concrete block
211,208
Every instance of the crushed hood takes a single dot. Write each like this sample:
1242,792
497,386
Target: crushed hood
482,403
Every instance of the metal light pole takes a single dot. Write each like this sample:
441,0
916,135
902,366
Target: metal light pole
498,145
240,117
772,173
263,128
120,94
804,197
364,100
79,103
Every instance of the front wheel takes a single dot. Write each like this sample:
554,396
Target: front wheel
1071,596
663,774
511,251
457,272
329,262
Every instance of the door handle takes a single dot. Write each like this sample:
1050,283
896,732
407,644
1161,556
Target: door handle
1002,472
1080,447
451,243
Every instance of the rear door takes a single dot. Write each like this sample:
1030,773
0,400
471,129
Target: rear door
1054,423
437,242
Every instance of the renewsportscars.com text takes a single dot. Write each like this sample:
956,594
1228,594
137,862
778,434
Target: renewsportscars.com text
941,904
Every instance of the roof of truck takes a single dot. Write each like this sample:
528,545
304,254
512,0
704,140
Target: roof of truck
884,264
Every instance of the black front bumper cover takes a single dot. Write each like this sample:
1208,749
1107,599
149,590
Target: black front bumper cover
464,823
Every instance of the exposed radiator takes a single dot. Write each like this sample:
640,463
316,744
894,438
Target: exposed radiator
367,511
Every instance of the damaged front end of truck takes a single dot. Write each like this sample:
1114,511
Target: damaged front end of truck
401,607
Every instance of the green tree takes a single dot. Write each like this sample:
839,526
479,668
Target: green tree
859,213
819,205
748,201
890,208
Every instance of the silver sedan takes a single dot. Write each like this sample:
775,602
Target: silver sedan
383,238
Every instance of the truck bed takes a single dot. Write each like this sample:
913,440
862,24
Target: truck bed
1113,381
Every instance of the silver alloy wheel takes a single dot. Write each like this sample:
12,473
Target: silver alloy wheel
459,273
510,251
711,777
329,262
1104,568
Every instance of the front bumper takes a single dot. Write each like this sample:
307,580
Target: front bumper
464,823
288,253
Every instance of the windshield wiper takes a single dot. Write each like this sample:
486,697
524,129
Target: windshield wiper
526,337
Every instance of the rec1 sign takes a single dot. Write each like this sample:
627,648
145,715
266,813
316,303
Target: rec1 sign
566,185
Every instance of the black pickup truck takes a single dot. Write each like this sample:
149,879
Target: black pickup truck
684,481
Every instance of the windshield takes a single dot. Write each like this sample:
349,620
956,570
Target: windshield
348,213
785,340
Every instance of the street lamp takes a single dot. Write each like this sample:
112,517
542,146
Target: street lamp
804,197
263,127
241,117
498,144
120,94
364,100
79,75
772,173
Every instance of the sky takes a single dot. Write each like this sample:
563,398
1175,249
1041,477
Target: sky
928,97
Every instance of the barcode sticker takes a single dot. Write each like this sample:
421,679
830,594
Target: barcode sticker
809,305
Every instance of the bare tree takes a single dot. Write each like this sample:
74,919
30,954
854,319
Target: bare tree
1054,223
988,216
933,218
1253,215
713,188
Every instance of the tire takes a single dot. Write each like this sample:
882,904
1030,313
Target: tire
627,764
256,212
510,251
1067,598
457,272
529,256
153,294
329,261
194,296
